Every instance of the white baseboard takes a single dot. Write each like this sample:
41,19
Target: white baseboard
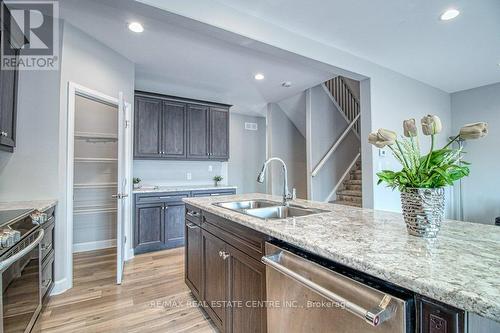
60,286
130,254
92,246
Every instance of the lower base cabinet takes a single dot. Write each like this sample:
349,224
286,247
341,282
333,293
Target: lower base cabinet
232,286
159,218
215,279
247,290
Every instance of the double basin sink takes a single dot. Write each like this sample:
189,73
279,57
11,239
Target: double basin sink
264,209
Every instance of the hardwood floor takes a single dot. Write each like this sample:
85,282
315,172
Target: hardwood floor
152,298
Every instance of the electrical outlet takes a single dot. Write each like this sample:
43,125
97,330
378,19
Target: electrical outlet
189,176
382,152
210,168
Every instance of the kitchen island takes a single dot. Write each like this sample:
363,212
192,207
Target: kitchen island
460,268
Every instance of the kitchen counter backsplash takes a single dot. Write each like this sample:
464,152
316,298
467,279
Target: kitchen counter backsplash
181,188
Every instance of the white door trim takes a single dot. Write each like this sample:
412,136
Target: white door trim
73,90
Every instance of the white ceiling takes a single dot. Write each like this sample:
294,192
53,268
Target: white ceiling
404,35
171,58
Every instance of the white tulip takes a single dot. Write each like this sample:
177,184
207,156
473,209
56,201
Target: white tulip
431,125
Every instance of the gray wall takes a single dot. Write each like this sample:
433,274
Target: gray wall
392,99
481,190
247,153
328,125
287,143
37,140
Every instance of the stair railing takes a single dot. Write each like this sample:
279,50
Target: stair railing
343,178
345,99
334,147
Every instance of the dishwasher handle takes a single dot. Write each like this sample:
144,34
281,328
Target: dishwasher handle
375,316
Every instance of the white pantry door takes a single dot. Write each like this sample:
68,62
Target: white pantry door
124,184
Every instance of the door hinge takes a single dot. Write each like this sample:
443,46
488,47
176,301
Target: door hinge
127,123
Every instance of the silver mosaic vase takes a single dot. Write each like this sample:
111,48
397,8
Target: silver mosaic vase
423,211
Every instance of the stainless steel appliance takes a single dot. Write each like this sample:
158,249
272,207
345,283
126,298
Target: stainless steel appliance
20,285
308,294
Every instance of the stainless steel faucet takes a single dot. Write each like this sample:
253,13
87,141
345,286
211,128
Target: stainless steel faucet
287,196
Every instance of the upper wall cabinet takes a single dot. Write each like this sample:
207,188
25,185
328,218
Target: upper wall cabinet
9,82
175,128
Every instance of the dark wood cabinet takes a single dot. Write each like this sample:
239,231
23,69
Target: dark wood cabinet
193,257
9,80
214,271
160,219
160,129
247,285
8,108
233,285
198,138
219,134
147,134
174,224
149,227
168,127
47,252
173,131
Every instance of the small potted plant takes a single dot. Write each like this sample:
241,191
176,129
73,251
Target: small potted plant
136,182
423,178
217,180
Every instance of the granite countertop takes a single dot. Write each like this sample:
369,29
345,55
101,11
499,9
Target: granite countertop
40,205
461,267
181,188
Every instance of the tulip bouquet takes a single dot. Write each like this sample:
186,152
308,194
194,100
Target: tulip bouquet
438,168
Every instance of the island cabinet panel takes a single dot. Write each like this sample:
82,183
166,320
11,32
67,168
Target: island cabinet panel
198,147
219,133
247,288
147,127
149,227
233,278
193,258
214,268
175,128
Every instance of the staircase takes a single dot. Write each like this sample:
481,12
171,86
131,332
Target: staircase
350,193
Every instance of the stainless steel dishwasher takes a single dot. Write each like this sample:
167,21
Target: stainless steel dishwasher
305,296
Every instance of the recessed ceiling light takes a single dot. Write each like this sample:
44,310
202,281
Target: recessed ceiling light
449,14
136,27
259,76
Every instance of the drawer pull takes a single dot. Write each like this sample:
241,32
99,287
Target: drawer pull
193,214
191,225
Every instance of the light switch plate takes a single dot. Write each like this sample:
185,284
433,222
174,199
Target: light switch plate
210,168
189,176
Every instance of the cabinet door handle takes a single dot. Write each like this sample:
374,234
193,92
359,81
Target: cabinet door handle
191,225
193,214
5,133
